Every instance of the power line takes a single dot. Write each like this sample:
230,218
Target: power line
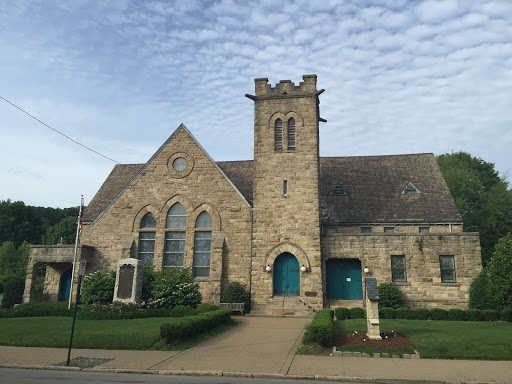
62,134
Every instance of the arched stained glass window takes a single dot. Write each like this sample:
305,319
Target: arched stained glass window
148,221
176,217
204,220
291,133
278,134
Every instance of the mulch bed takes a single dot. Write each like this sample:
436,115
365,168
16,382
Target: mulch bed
392,340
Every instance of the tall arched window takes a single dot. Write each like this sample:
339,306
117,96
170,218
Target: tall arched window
147,235
278,134
291,133
202,245
174,247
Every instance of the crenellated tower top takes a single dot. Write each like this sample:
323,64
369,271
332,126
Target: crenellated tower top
285,89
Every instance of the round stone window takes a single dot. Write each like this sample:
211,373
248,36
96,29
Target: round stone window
179,164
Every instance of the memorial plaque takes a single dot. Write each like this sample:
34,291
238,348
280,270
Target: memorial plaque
125,281
372,291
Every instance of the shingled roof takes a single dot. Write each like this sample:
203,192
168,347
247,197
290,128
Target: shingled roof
372,185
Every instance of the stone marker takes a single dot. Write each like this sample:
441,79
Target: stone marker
128,287
372,309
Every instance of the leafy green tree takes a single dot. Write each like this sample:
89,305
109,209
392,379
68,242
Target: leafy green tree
499,273
98,288
64,229
483,198
13,261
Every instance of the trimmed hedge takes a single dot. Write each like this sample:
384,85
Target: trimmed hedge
438,314
456,314
506,315
404,313
357,313
37,310
321,329
420,314
342,313
182,328
490,315
387,313
474,314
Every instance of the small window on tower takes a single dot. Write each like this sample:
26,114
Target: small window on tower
285,188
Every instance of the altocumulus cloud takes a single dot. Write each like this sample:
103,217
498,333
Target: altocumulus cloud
400,77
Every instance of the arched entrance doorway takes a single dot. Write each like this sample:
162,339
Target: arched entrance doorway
65,285
286,275
344,279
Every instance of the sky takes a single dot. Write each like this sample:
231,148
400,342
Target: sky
120,76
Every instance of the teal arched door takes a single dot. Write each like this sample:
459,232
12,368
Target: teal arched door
286,275
344,279
65,285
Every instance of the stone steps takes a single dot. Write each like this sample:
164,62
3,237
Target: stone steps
283,307
345,303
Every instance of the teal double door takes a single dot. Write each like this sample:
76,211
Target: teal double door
344,279
65,285
286,275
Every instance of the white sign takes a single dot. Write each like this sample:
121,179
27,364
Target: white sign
81,269
349,279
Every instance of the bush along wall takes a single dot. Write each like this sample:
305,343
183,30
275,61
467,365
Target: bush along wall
321,329
183,328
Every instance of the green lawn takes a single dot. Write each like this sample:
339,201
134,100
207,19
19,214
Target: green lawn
447,339
139,334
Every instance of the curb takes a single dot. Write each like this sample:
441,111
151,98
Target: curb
242,374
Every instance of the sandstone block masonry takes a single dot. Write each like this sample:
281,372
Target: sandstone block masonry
423,287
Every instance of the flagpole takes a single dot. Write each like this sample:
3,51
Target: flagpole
78,231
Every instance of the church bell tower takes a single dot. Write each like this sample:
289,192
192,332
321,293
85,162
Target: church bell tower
286,256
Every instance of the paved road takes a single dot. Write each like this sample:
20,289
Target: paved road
36,376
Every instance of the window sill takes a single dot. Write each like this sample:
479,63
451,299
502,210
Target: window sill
402,283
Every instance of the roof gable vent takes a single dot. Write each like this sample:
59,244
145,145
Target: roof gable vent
338,191
410,189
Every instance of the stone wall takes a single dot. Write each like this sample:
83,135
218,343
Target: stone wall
200,186
58,259
286,222
423,287
399,228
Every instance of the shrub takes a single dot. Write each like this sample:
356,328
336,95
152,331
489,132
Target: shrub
175,287
13,291
499,273
148,277
387,313
404,313
478,297
52,308
474,314
490,315
455,314
98,288
390,296
182,328
420,314
438,314
342,313
321,329
206,308
236,292
506,315
357,313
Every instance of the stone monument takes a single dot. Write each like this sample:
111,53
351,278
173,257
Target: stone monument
372,309
128,287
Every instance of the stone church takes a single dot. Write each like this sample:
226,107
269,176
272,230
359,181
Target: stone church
300,230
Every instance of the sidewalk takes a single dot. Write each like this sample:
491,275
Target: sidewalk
265,347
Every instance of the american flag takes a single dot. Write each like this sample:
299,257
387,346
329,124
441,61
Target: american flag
80,216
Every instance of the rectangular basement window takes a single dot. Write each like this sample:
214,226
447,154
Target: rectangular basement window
424,229
366,229
331,229
389,229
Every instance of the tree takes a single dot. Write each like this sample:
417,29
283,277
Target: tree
64,230
13,261
499,273
483,198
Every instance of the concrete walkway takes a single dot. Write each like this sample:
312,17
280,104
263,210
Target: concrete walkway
265,347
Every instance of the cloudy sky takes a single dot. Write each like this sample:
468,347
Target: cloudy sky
120,76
